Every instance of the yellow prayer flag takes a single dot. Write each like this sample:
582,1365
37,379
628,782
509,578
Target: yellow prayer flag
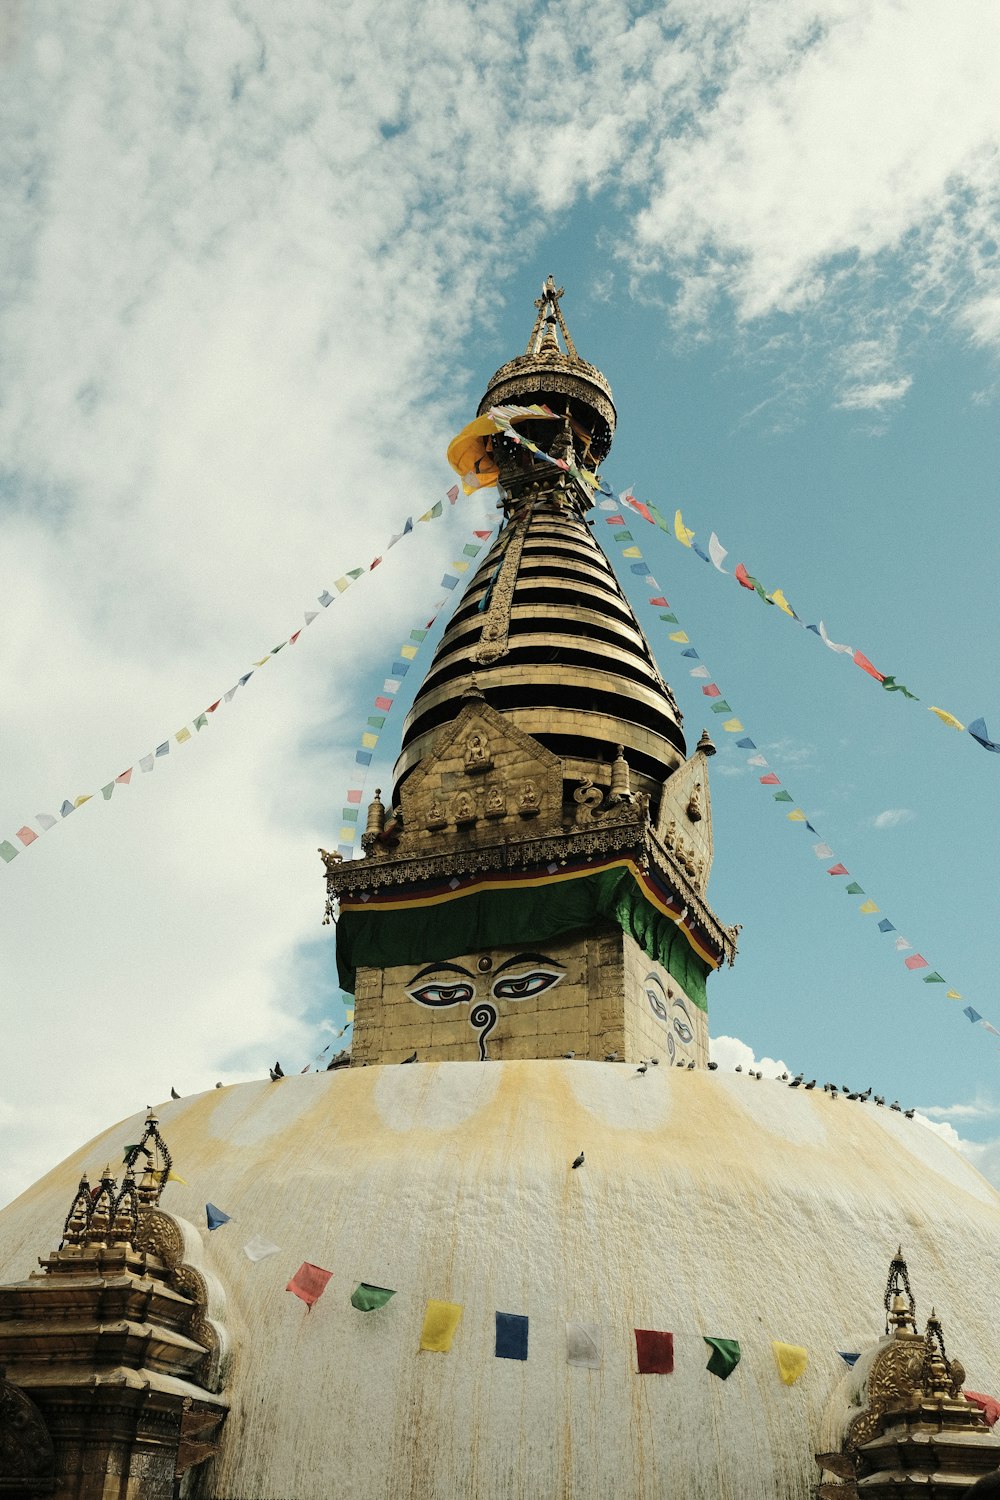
867,908
796,815
679,637
779,599
460,567
369,740
791,1360
681,532
344,583
81,800
631,552
732,726
347,834
263,661
409,652
441,1321
182,735
946,718
953,995
173,1176
349,1013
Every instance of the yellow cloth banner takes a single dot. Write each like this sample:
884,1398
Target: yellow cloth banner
682,532
631,552
409,652
779,599
796,815
791,1360
347,834
349,1013
953,995
369,740
81,800
946,718
182,735
679,637
441,1321
868,908
732,726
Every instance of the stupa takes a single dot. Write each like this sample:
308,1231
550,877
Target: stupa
546,1250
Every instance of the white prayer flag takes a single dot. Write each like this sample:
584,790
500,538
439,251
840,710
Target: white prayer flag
583,1345
258,1248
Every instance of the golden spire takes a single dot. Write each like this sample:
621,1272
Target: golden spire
543,338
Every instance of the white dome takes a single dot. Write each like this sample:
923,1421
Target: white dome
707,1204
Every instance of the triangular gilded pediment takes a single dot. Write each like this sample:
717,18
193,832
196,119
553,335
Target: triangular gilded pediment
684,823
483,772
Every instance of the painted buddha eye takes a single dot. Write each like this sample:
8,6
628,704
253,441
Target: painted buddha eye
524,986
442,994
656,997
683,1030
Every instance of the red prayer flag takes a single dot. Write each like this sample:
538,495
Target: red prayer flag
711,691
125,777
354,796
214,706
453,493
660,601
615,520
642,509
482,535
655,1352
838,870
866,666
742,576
374,564
309,1283
989,1404
26,835
293,638
770,780
915,961
383,703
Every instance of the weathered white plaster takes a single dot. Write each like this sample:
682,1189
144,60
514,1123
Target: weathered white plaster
706,1205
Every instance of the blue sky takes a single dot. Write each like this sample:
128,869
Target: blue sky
258,271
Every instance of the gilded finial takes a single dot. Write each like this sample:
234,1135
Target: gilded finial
705,745
900,1312
543,338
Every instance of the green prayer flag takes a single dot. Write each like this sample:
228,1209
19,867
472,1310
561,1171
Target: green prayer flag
724,1358
934,978
348,814
669,619
417,635
355,572
8,852
376,720
470,550
435,510
657,518
854,889
892,686
624,536
201,722
782,796
368,1298
720,706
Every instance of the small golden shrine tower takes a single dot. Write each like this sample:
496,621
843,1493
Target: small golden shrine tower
536,886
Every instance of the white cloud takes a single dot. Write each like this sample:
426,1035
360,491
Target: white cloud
729,1052
875,396
893,817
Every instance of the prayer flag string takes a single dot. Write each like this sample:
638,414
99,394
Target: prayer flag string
780,794
27,835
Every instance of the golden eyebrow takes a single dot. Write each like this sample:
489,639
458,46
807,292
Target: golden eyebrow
442,969
526,958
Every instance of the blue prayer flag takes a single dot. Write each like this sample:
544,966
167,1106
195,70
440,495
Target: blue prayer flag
363,757
400,668
690,652
886,926
66,809
345,851
849,1359
746,744
448,582
978,731
163,749
973,1015
512,1336
245,678
639,567
326,598
703,555
215,1216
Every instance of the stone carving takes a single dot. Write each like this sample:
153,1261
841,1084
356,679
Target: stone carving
477,753
493,639
694,804
464,809
436,815
588,799
529,805
27,1457
670,836
496,802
